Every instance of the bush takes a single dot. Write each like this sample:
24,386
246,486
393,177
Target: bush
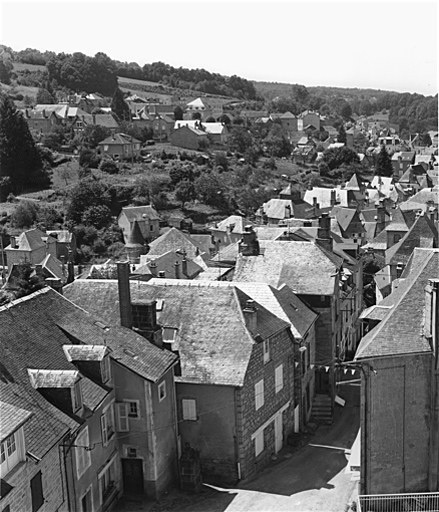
109,167
89,158
97,216
25,214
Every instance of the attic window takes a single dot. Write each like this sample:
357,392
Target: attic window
105,369
159,305
101,325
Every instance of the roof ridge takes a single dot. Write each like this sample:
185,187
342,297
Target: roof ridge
14,302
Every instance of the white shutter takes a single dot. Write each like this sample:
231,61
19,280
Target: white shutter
259,394
189,409
83,459
104,429
279,378
259,443
122,410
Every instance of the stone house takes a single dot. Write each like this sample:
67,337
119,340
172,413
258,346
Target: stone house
244,366
145,217
399,386
31,246
41,121
401,161
189,137
120,146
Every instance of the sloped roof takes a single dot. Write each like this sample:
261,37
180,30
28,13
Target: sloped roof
213,342
354,183
166,263
398,222
345,216
304,266
12,417
423,233
174,240
139,213
30,240
419,200
134,238
119,139
323,196
401,331
235,223
62,235
277,209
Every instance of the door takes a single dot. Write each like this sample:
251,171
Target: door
322,381
132,472
86,502
278,432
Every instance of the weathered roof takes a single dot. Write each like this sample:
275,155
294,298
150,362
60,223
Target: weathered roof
419,200
85,352
423,233
175,240
398,222
30,240
212,350
12,418
281,209
233,224
304,266
401,331
62,235
323,196
139,213
43,379
119,139
345,216
166,263
134,238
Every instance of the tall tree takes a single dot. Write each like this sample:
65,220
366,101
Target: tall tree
119,106
19,158
383,164
341,137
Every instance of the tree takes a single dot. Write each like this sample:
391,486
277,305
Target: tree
119,106
196,116
109,167
25,214
19,158
93,134
185,192
240,139
87,193
209,187
27,281
44,97
178,113
335,157
6,68
346,111
383,163
88,158
341,137
98,216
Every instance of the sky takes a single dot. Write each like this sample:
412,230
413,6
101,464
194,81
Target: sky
390,45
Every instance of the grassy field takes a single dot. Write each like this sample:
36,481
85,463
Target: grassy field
21,66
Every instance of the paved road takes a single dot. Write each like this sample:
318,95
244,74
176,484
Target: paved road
310,479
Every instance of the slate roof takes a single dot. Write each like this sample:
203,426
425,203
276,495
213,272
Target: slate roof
419,200
120,139
345,216
398,222
401,331
62,235
304,266
166,263
323,196
12,418
423,233
212,350
175,240
139,213
236,222
277,209
30,240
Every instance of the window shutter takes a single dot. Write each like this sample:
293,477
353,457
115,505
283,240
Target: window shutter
259,394
279,378
189,409
122,417
104,429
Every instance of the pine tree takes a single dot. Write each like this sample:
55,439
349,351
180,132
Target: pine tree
341,137
19,157
383,165
119,106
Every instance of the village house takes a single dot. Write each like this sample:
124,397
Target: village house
399,386
32,246
245,366
229,230
308,119
313,272
40,121
401,160
142,218
189,137
120,146
192,245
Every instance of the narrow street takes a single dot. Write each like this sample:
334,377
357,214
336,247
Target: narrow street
308,479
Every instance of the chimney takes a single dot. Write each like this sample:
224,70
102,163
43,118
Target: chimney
145,321
70,271
184,265
333,197
251,316
153,268
162,274
44,112
94,119
381,218
177,270
432,212
399,269
55,283
324,238
288,211
123,280
249,245
13,242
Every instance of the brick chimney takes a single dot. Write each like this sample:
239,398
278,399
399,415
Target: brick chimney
123,280
145,321
70,268
153,268
13,242
287,211
55,283
249,245
184,265
251,316
324,238
177,270
333,197
381,218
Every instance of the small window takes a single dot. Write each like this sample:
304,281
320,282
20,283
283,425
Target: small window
266,350
279,378
131,452
76,397
259,394
36,488
133,409
259,443
122,414
189,409
107,425
105,369
151,227
169,334
162,391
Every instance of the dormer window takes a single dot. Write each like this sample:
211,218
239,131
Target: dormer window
11,451
105,369
76,397
169,334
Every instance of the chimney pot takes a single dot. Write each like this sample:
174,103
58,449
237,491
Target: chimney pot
250,315
13,242
162,273
125,308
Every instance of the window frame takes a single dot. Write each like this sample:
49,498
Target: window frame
161,391
192,408
259,394
110,470
259,443
279,382
105,367
12,457
108,411
76,393
131,415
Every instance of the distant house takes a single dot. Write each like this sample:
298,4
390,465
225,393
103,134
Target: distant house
308,119
189,138
401,160
288,122
120,146
65,242
198,106
32,246
41,121
229,230
184,243
145,217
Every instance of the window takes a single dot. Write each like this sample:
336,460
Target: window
259,394
105,369
36,489
266,350
11,451
86,501
189,408
107,424
151,227
131,452
76,397
162,391
133,409
279,378
168,334
107,480
83,459
122,411
259,443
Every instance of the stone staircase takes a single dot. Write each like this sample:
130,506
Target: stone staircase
322,409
